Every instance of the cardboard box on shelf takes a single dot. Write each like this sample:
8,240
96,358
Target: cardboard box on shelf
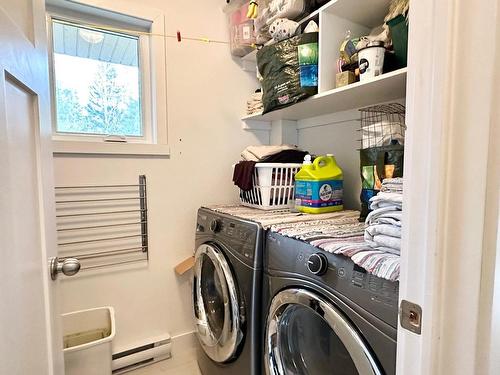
344,79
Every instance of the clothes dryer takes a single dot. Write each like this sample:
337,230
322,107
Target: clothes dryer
325,315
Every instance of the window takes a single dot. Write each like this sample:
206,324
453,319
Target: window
108,78
97,81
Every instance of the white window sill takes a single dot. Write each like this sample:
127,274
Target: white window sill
109,148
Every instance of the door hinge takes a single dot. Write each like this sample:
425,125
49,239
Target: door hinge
410,316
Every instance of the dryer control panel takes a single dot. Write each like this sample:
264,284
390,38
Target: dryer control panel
287,256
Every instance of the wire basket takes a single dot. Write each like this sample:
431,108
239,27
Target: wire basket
273,186
382,125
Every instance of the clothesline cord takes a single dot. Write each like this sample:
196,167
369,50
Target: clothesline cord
145,33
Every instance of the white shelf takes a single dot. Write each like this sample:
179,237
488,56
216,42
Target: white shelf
389,86
359,12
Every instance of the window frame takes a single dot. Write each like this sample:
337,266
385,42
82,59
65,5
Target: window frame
152,65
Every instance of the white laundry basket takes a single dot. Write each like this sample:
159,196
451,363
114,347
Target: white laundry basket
88,335
273,186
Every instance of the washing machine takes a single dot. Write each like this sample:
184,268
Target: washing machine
325,315
227,287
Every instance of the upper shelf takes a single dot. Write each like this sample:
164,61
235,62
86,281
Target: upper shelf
361,13
387,87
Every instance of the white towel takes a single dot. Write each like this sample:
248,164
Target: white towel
257,153
388,250
383,134
392,212
386,199
382,228
387,241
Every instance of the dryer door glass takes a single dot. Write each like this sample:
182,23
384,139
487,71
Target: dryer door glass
216,304
307,335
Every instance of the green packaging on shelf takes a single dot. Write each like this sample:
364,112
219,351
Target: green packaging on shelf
377,163
399,32
286,78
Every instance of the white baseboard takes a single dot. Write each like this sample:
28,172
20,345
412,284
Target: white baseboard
183,343
150,351
180,347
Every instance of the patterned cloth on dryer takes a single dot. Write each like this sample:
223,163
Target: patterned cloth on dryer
335,232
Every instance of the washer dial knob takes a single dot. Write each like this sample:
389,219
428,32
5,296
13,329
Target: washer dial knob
317,264
215,225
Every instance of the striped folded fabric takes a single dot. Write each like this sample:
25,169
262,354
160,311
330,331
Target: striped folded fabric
336,232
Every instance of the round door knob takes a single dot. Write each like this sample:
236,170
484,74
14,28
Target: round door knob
317,264
215,225
69,267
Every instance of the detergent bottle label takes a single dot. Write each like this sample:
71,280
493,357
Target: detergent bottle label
318,194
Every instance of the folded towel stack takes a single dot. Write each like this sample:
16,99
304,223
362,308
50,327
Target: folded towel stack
383,231
392,185
254,104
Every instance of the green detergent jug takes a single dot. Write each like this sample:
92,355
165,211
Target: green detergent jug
319,186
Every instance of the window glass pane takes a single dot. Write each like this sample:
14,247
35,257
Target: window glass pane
97,81
309,346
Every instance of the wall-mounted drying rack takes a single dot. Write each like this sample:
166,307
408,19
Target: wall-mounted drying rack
103,225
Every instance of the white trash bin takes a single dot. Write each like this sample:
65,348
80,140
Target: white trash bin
88,335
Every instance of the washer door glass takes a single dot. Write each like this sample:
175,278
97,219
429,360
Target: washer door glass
213,296
309,346
216,307
307,335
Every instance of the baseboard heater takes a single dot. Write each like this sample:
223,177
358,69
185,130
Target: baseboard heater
140,356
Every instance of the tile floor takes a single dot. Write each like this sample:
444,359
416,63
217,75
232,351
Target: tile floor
183,364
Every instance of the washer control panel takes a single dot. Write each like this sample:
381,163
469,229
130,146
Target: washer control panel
236,235
215,225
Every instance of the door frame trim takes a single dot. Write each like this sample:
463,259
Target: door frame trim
449,103
13,65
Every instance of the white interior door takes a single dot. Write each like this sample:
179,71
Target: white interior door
30,340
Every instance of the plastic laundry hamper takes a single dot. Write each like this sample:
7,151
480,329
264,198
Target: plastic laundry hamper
273,186
88,335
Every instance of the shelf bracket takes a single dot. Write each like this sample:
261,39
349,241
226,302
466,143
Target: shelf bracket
284,132
254,125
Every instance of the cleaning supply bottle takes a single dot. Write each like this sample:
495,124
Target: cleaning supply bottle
319,185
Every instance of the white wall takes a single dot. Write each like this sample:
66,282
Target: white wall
338,135
207,92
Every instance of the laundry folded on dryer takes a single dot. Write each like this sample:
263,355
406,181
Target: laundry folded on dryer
383,231
344,235
387,199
